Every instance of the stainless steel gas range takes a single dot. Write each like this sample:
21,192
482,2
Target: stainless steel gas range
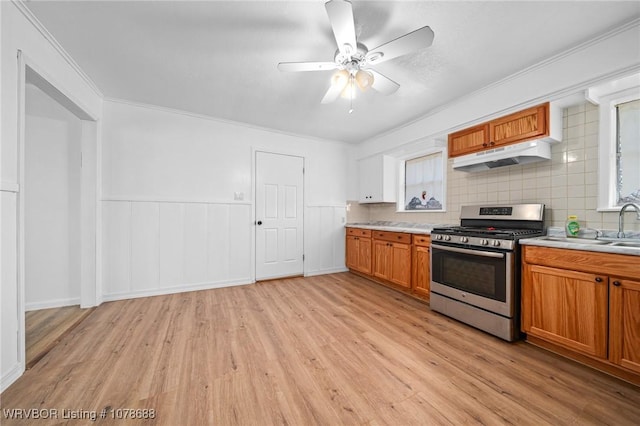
475,267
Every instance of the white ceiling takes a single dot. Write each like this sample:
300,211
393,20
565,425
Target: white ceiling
219,58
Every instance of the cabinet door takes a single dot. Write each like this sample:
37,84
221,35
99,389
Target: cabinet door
358,255
519,126
382,252
353,252
624,323
401,264
469,140
421,280
364,255
377,179
567,308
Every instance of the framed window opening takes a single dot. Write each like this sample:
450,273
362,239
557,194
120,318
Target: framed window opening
619,142
628,152
422,179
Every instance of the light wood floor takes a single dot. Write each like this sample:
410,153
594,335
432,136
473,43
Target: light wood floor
45,328
327,350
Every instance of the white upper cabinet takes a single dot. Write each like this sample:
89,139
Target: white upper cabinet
377,179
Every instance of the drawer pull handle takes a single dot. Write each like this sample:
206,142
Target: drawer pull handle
616,283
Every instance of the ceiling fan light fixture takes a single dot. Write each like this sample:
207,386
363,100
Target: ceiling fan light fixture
340,78
349,92
364,80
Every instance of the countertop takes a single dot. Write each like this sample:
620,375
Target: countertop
425,229
578,245
407,227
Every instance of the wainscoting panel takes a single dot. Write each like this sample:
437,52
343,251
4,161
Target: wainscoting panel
144,246
164,247
116,268
158,247
195,243
171,229
324,239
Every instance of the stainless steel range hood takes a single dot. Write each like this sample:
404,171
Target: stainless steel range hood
521,153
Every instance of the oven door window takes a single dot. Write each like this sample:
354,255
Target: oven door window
474,271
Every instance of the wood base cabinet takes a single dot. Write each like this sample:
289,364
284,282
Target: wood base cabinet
568,308
391,258
624,326
586,304
421,258
359,250
398,259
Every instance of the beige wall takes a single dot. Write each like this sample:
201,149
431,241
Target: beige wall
566,185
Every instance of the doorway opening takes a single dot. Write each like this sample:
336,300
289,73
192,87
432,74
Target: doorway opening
57,214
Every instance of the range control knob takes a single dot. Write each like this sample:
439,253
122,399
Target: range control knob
484,242
464,239
438,237
447,237
495,243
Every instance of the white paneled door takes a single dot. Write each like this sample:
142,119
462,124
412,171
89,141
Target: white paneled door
279,218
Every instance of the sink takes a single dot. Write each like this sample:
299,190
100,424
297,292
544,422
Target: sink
632,244
575,240
611,242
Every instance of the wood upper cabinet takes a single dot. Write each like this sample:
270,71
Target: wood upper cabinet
517,127
469,140
392,257
421,258
358,250
520,126
624,323
568,308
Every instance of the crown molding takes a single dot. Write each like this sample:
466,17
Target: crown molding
26,12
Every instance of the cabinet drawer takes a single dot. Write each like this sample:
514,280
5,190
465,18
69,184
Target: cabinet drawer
422,240
396,237
357,232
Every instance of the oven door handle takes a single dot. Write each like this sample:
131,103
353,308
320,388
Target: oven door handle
468,251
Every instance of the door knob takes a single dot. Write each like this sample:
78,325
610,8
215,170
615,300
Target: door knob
259,222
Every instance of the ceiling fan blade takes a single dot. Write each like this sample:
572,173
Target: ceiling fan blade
333,93
341,17
383,84
307,66
407,43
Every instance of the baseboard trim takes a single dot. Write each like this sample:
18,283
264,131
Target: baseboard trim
173,290
325,272
11,376
57,303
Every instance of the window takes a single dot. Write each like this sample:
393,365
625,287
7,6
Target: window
424,183
628,152
619,141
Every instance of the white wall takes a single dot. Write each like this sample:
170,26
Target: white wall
170,218
18,33
52,202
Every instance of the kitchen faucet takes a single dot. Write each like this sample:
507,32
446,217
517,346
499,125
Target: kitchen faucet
621,217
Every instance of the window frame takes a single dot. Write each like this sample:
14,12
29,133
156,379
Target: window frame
402,161
607,146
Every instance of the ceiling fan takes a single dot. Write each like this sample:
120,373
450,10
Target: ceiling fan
354,61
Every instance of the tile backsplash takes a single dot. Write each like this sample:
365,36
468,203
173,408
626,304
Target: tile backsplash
567,184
